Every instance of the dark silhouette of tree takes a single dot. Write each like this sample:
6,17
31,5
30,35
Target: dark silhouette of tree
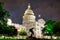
32,33
56,29
4,14
12,31
4,28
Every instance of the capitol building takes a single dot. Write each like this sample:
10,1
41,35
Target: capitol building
29,22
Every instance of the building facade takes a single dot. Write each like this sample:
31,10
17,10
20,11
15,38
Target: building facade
29,22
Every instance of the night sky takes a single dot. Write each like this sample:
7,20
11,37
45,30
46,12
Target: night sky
48,9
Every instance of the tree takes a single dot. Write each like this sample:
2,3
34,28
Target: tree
11,31
49,27
4,14
14,30
57,29
32,33
4,29
22,33
3,19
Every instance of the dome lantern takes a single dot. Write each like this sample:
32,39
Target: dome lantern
29,11
29,6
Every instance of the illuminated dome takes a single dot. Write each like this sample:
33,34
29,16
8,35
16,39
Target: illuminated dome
29,15
28,11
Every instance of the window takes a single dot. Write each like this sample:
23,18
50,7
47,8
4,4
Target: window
37,24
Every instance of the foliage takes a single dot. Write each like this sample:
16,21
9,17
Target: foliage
56,29
7,30
49,27
52,28
4,29
4,14
22,32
